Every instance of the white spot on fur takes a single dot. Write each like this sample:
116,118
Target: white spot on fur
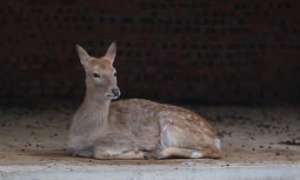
196,154
218,143
165,127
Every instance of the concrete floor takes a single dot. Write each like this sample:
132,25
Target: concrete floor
259,143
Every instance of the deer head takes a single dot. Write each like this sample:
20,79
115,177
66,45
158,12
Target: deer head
100,75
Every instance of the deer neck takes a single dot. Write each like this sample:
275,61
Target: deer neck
96,108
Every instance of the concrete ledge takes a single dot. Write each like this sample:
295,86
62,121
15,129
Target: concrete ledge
255,144
151,172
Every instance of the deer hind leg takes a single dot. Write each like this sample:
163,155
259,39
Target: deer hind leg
169,148
86,152
175,143
175,152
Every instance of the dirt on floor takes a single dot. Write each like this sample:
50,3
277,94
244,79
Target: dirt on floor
250,135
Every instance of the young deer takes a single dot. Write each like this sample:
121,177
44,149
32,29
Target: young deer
134,128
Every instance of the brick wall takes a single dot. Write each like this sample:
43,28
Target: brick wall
198,51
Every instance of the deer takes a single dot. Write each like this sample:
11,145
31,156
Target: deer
105,129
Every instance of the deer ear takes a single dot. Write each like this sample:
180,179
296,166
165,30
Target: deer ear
111,52
83,55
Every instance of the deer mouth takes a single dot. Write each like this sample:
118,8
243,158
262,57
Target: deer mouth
112,96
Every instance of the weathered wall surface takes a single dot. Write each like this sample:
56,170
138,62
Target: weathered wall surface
202,51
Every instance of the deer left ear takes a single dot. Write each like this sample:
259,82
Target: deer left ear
83,55
111,52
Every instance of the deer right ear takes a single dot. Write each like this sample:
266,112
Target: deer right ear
83,55
111,52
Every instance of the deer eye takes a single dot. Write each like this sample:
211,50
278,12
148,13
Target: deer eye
96,75
115,74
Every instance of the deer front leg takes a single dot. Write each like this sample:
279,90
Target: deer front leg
85,152
111,153
115,146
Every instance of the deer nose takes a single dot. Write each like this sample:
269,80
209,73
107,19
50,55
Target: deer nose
116,92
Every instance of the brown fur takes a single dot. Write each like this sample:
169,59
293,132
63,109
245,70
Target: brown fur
134,128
